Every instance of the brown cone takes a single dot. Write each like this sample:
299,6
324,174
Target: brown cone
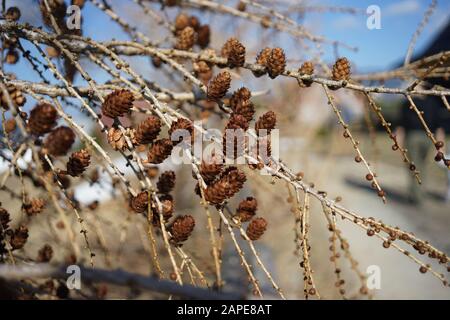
78,162
42,119
10,125
256,228
19,238
159,151
234,51
45,254
140,203
4,218
185,39
117,140
210,171
267,121
203,71
182,228
218,86
261,59
247,209
166,182
16,96
148,130
118,103
181,124
181,22
341,69
59,141
229,183
240,103
57,10
203,36
34,207
276,63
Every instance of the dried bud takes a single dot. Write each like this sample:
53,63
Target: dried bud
159,151
78,162
10,125
118,103
247,209
59,141
34,207
45,254
15,95
229,183
182,228
219,86
140,203
256,228
234,51
117,140
276,63
166,182
148,130
12,56
341,69
185,39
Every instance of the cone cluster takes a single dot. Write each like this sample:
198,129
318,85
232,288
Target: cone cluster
234,51
247,209
148,130
16,96
341,69
159,151
140,203
218,86
34,206
226,186
42,119
59,141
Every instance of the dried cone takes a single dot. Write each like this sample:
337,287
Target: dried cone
19,238
341,69
194,22
185,39
166,182
42,119
45,254
180,129
261,60
210,170
307,68
12,14
12,56
140,203
203,71
4,218
240,103
181,22
16,96
267,121
117,140
34,207
276,63
159,151
203,36
256,228
247,209
78,162
118,103
10,125
229,183
234,51
182,228
57,10
148,130
167,208
59,141
219,86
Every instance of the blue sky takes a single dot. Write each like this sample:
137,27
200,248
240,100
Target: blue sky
380,49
